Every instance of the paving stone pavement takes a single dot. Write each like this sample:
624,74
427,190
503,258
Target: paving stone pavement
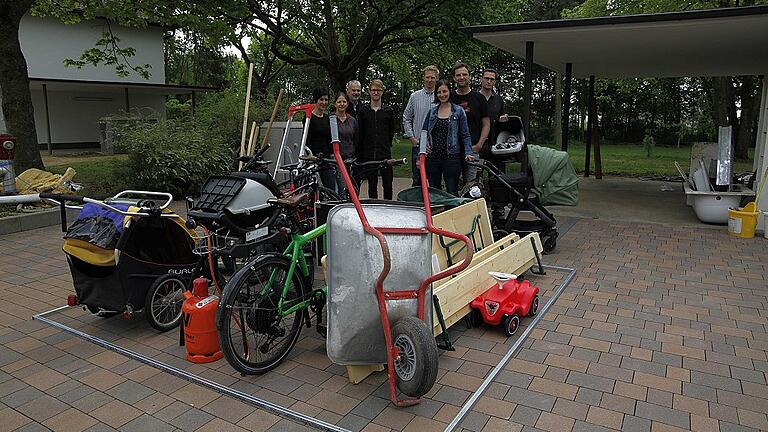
663,329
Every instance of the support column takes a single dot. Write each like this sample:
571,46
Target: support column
127,102
567,104
761,151
558,109
194,102
47,120
527,88
590,123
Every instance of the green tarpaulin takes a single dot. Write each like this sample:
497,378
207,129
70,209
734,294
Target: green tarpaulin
436,197
554,179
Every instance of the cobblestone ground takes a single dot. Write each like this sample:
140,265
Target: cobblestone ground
663,329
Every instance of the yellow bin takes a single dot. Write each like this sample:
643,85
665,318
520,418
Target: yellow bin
742,223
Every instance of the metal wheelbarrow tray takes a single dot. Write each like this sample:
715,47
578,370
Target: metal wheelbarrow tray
355,334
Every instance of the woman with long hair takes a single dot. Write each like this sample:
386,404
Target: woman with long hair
347,134
447,140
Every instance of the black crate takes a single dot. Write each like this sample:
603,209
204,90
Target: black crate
217,192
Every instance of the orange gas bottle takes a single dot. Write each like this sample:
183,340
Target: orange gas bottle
200,336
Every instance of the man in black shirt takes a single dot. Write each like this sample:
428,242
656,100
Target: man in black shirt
376,126
495,108
476,108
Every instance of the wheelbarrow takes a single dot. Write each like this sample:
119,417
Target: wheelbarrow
379,260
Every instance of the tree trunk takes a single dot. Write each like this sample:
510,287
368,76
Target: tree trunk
750,101
720,101
14,85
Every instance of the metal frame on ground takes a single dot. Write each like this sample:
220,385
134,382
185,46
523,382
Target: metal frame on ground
289,413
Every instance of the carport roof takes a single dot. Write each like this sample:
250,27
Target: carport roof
713,42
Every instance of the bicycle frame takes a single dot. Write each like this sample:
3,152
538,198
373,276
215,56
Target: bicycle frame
295,251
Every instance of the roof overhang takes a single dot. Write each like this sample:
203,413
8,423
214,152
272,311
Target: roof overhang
111,86
714,42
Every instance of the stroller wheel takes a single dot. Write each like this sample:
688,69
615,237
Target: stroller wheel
162,305
499,234
549,241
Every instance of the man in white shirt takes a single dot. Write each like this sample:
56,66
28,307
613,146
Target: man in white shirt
416,112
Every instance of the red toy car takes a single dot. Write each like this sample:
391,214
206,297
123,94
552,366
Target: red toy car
506,302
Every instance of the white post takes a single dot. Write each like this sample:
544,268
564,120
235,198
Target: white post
761,152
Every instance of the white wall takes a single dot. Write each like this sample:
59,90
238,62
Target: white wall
46,42
74,120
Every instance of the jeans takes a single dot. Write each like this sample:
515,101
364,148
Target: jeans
328,177
468,171
414,168
448,169
387,177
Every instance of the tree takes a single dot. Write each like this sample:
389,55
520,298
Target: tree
14,84
342,36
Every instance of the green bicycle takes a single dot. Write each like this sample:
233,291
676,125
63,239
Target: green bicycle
265,304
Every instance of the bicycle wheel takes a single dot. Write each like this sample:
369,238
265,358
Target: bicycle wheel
162,305
325,195
254,337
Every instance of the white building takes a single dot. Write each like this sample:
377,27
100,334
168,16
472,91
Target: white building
68,101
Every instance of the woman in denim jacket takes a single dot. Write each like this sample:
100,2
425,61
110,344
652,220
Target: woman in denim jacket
445,140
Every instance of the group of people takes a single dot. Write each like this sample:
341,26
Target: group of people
455,122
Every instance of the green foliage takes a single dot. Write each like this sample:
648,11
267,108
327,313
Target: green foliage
178,110
648,144
101,177
109,53
174,156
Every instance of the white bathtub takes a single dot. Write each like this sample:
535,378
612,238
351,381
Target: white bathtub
712,207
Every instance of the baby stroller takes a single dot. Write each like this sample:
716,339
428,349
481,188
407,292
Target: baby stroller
117,251
513,205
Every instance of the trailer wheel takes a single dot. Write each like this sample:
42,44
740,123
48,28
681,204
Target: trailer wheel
162,306
534,309
511,323
416,366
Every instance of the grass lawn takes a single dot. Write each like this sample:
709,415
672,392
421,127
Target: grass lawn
618,159
100,176
103,176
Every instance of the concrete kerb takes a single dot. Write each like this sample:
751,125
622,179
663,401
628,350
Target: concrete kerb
33,220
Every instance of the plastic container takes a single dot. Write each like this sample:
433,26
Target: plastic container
765,224
742,223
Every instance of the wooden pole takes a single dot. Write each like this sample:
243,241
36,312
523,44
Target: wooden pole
567,104
272,119
245,113
251,138
255,130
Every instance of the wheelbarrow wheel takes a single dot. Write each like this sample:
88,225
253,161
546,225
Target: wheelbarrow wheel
416,366
162,306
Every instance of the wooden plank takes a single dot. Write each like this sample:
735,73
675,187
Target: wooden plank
456,294
481,255
460,220
357,373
